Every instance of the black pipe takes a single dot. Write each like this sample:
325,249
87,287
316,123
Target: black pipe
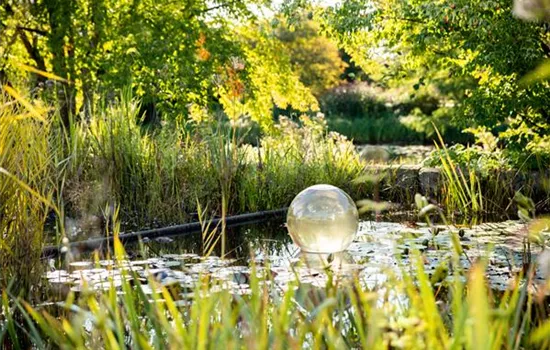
194,227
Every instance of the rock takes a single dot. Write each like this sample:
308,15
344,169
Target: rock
164,239
375,154
430,180
406,177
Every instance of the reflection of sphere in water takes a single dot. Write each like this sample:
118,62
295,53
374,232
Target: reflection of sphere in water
340,263
322,219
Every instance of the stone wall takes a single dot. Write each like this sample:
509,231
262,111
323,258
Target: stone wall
399,183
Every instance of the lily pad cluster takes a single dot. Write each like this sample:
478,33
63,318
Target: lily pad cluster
382,249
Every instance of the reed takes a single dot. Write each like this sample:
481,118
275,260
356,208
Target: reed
26,189
463,190
407,311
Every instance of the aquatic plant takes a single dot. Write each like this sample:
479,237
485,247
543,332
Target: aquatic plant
156,174
463,186
26,188
409,310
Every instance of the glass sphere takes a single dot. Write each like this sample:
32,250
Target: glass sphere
322,219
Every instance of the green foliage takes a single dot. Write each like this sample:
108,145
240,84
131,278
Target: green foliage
26,186
269,81
485,156
376,131
479,178
426,124
355,101
172,54
368,113
471,156
294,157
473,52
314,57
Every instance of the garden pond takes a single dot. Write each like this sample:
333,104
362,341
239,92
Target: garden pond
381,249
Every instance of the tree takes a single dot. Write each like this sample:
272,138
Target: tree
314,56
170,52
474,51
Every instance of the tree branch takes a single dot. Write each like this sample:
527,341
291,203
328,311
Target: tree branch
208,9
405,19
33,30
213,8
33,52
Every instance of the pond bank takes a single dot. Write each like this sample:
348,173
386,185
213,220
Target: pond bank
400,182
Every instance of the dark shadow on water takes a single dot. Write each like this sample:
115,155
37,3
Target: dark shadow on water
241,242
245,241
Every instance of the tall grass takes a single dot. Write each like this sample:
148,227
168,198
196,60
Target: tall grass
150,173
463,192
158,174
26,189
407,311
296,156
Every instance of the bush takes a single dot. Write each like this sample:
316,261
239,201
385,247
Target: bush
376,131
426,124
313,56
484,156
355,101
158,174
371,114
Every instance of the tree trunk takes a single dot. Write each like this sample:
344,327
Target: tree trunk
61,42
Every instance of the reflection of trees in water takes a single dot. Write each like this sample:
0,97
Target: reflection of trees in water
270,236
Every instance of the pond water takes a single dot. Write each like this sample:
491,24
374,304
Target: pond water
380,249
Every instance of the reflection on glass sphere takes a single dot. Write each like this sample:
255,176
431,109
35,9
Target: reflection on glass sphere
322,219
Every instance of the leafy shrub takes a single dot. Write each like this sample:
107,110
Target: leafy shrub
484,157
355,101
370,114
471,157
376,131
527,146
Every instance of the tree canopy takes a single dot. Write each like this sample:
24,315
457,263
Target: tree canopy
174,54
474,53
314,56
